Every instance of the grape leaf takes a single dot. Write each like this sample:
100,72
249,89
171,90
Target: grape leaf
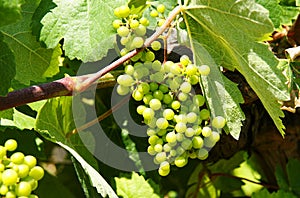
85,26
293,175
7,67
10,11
54,121
264,193
281,178
137,186
275,10
222,95
19,120
232,42
33,63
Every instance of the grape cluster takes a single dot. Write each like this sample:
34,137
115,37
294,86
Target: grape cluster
179,125
19,174
132,28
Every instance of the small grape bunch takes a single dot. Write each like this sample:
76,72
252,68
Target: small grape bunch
19,174
132,28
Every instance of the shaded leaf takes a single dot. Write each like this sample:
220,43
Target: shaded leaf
10,11
293,172
281,178
264,193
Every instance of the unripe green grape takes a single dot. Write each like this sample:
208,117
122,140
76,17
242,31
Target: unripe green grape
2,167
171,137
3,189
154,13
161,22
150,56
163,173
156,45
199,100
117,23
167,99
140,109
215,136
137,96
204,70
161,157
122,90
148,114
204,114
158,147
191,117
151,123
140,30
191,69
17,158
161,8
186,144
162,123
193,155
10,194
158,94
182,96
30,161
122,11
193,79
164,88
134,24
180,127
173,153
2,152
37,173
202,154
125,40
147,98
157,77
143,87
156,65
190,132
206,131
123,31
180,151
123,52
129,69
144,21
186,87
9,177
23,189
151,132
209,143
175,105
137,42
153,86
151,150
167,66
197,142
218,122
33,196
11,145
161,132
167,147
180,161
180,118
148,64
125,80
198,130
185,60
155,104
175,69
23,170
168,114
179,137
174,85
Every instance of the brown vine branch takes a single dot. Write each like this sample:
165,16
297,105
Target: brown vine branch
70,85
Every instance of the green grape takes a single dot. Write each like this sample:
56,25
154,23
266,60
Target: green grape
2,167
129,69
158,94
17,158
180,161
154,13
123,52
191,117
125,40
123,31
161,8
193,155
157,77
191,69
161,22
204,70
182,96
3,189
137,96
10,194
179,137
33,196
156,65
137,42
9,177
122,11
148,65
167,147
11,145
218,122
125,80
168,114
197,142
164,88
204,114
175,69
202,154
140,109
158,147
117,23
144,21
143,87
151,150
186,144
161,132
209,143
134,24
215,136
193,79
186,87
162,123
30,161
23,170
167,99
140,30
162,172
37,173
148,114
151,132
171,137
175,105
147,98
190,132
33,183
161,157
185,60
199,100
198,130
150,56
122,90
23,189
206,131
180,127
180,118
2,152
153,86
155,104
156,45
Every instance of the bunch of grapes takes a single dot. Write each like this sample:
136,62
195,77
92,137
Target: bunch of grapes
132,28
19,174
180,126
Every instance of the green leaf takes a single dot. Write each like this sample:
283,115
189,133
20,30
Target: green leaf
275,10
222,95
54,121
10,11
19,120
85,26
137,186
228,165
281,178
33,62
232,42
7,67
264,193
292,168
226,184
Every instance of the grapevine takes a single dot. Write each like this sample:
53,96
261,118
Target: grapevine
19,174
179,123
